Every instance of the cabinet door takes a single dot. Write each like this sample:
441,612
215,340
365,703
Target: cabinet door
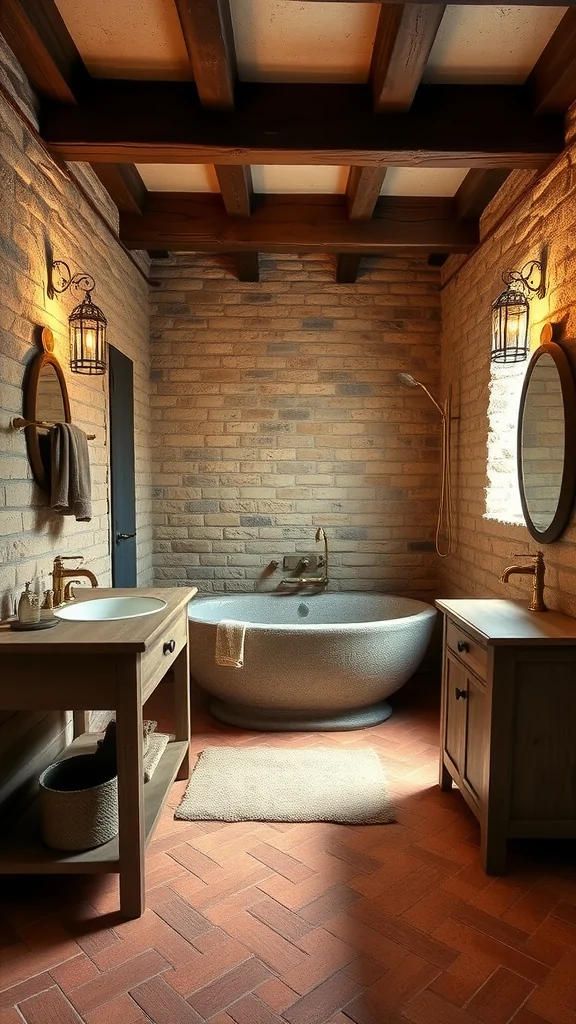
475,766
456,683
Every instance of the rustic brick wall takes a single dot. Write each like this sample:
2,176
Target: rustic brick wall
541,222
276,410
42,212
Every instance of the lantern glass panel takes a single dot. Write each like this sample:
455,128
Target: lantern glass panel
510,321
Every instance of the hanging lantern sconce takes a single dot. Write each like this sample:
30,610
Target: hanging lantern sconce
86,323
511,313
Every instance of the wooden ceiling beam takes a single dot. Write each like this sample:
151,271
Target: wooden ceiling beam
236,189
38,36
124,185
362,193
447,126
553,78
207,30
477,190
404,38
36,33
196,222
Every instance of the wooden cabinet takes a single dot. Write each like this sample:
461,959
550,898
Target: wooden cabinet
101,666
508,722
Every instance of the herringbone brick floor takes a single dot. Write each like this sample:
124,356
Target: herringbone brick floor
255,923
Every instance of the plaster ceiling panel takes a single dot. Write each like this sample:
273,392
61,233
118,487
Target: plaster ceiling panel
128,38
422,181
490,44
299,179
179,177
281,41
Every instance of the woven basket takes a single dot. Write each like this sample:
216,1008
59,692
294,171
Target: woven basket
79,803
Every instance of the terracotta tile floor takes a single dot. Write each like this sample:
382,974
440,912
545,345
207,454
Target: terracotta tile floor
255,923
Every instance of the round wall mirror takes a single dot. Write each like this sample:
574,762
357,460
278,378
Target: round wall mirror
45,402
547,443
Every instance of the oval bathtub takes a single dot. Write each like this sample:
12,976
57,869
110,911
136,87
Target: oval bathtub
326,661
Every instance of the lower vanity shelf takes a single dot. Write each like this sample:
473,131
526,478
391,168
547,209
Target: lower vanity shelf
23,852
508,721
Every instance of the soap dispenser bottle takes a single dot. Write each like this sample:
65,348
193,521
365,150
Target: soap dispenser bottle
28,608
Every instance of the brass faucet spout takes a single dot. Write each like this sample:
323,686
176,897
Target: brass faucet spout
537,571
60,574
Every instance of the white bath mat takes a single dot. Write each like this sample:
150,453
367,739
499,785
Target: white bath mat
271,784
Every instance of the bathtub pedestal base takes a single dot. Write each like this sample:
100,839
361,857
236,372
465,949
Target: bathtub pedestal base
276,720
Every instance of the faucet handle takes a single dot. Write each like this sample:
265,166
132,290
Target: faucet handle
71,558
529,554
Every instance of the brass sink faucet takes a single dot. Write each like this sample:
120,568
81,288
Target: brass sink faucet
537,570
60,574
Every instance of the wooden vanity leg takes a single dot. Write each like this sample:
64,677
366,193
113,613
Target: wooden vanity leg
445,781
493,851
181,672
130,792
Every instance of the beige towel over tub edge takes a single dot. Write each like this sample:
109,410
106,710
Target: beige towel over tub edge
230,637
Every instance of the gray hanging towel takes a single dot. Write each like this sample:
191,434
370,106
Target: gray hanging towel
70,465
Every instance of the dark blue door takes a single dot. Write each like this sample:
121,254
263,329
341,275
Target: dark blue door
122,482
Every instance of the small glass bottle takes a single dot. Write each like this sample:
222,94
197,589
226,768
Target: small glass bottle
47,609
28,607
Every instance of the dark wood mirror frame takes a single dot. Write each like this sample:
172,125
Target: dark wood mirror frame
44,358
567,494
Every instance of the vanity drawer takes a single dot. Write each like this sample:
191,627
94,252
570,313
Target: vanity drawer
156,661
469,651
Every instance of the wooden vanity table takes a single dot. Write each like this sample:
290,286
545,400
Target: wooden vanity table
100,666
508,720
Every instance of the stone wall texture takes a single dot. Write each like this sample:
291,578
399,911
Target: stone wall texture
540,224
42,214
276,410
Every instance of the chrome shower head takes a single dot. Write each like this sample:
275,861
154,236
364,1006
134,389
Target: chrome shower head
407,380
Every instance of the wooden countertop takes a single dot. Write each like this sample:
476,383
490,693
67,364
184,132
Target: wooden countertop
121,635
507,623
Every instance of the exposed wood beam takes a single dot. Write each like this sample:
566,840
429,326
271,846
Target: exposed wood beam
237,195
247,266
38,37
124,184
207,29
362,191
477,190
404,38
347,267
236,188
196,222
36,33
447,126
553,78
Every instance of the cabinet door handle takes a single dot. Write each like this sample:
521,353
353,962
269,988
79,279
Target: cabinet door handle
463,647
461,694
124,536
169,647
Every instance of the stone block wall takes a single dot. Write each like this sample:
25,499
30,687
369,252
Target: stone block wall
540,223
276,410
43,215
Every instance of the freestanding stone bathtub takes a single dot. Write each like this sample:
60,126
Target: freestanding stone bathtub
325,661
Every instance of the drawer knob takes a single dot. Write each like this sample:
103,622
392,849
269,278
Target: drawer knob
461,694
169,647
463,647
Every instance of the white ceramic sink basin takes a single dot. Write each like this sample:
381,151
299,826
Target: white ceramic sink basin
107,609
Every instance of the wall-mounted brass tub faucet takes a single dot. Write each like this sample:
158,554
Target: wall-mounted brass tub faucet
312,581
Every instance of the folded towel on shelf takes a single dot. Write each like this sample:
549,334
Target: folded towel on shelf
70,471
230,636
